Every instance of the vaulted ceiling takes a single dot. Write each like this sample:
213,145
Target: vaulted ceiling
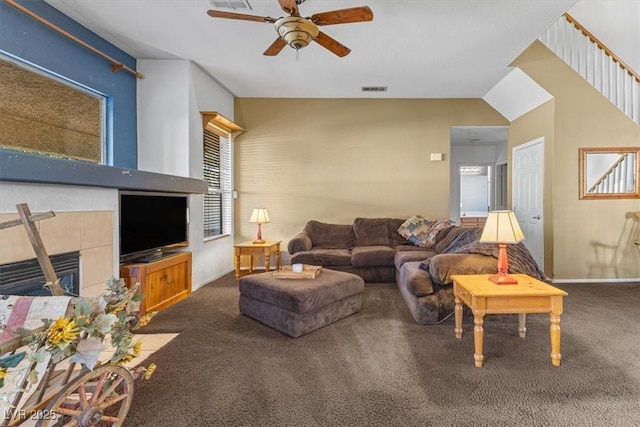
417,49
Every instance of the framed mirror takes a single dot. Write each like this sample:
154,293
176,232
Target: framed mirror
609,173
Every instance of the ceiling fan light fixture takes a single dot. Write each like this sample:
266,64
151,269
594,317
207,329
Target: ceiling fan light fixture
296,31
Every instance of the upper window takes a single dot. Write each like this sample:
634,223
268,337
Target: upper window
218,132
217,174
47,115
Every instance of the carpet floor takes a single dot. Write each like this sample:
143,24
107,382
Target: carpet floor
379,368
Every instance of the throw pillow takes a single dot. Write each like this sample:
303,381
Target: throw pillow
408,226
415,229
436,228
423,231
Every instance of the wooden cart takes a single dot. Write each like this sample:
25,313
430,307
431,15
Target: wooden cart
68,394
65,393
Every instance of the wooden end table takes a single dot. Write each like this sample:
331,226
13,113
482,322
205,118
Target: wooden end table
528,296
267,249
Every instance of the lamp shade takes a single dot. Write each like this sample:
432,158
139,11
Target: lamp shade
259,216
502,227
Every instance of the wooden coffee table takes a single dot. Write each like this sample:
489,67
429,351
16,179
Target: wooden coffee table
528,296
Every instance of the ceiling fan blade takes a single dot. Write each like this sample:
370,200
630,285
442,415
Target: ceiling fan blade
343,16
240,16
275,47
332,44
289,6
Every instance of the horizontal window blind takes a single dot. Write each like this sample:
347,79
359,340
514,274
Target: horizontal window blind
217,163
212,217
226,185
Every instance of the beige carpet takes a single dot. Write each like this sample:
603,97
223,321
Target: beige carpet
379,368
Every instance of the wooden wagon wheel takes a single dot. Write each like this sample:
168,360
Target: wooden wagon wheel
101,397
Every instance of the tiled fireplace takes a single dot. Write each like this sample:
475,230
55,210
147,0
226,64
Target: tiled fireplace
27,277
90,233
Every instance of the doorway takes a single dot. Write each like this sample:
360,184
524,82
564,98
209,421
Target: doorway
478,169
475,190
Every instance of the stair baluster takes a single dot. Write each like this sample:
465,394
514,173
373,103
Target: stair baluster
595,63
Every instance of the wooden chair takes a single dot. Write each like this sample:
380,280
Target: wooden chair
637,241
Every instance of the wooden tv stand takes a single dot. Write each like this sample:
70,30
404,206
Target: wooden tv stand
163,282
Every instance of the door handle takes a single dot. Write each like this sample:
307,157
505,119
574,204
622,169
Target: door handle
537,217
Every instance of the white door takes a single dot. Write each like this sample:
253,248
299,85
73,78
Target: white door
527,195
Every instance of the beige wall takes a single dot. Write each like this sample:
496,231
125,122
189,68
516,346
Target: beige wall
582,117
538,123
336,159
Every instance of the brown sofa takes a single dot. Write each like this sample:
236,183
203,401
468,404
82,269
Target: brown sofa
373,249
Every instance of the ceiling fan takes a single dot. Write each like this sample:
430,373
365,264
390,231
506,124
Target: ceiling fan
297,31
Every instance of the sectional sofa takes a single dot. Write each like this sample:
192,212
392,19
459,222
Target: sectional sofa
374,249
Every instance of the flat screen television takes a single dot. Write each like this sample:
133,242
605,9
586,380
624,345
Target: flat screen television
151,223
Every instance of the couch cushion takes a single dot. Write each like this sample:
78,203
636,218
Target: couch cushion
371,231
300,242
405,256
330,236
414,280
324,257
443,266
372,256
409,247
395,237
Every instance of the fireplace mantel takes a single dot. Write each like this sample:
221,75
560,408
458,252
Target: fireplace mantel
29,168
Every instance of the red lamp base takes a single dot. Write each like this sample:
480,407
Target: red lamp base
503,279
259,236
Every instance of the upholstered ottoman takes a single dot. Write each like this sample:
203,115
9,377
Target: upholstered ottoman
298,306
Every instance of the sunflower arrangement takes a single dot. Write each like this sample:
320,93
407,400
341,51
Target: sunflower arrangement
80,336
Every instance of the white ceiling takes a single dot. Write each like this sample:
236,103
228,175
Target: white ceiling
418,49
478,135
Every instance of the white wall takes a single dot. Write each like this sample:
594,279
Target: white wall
163,120
170,99
478,155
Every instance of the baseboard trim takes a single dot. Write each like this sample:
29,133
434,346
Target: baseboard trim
629,280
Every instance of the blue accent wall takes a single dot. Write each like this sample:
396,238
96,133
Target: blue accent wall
28,39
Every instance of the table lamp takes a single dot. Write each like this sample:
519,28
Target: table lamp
259,216
502,227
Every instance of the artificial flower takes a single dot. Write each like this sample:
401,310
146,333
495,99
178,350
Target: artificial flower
64,330
137,347
144,320
150,370
124,358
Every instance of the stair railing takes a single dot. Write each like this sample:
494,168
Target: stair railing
617,178
596,63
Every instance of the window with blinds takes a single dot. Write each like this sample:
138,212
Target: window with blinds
217,174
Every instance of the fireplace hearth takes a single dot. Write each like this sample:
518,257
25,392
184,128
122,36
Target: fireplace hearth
26,277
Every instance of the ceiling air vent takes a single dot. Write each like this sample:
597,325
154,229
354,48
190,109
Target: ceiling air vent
231,4
374,88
